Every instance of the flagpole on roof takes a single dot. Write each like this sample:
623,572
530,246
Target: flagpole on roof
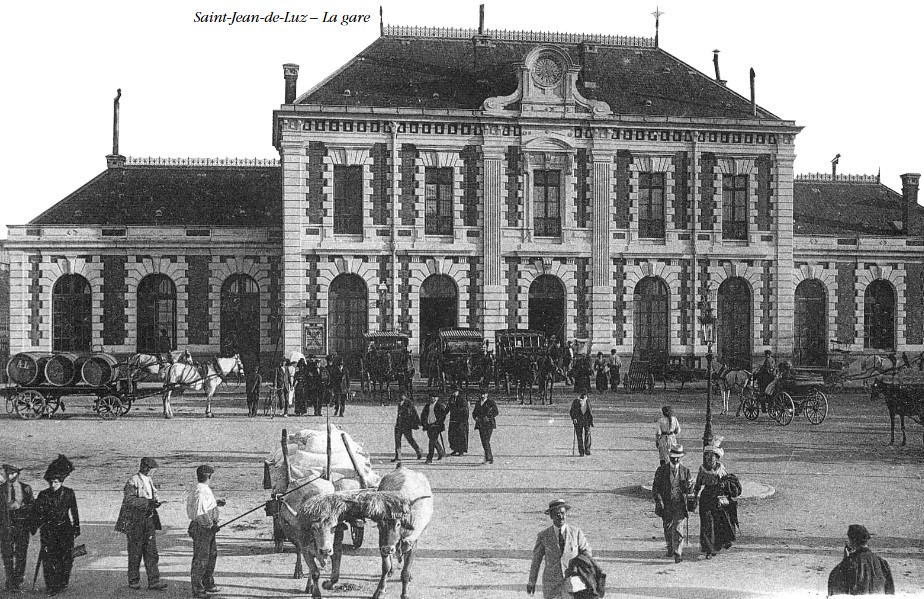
657,15
381,21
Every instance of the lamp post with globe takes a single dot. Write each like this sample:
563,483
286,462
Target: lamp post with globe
707,322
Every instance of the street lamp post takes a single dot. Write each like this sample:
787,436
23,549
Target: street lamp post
707,323
383,293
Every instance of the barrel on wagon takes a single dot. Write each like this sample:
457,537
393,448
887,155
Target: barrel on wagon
100,369
63,369
27,368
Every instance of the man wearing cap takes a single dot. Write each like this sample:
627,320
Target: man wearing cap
583,419
15,514
433,419
764,376
405,423
139,520
557,545
670,487
202,509
861,572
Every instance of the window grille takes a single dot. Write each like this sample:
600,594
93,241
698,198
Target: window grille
547,203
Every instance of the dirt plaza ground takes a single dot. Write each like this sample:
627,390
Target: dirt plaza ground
480,541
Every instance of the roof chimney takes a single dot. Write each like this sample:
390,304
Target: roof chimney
481,19
753,98
290,72
834,162
115,160
911,217
715,61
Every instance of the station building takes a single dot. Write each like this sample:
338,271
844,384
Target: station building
592,187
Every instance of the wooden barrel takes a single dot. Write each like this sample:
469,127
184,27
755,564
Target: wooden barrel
63,369
27,368
100,369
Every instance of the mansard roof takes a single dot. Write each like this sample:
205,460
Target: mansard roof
186,192
848,204
418,67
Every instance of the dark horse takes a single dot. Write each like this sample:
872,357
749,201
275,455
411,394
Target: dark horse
456,369
522,370
384,368
901,400
548,374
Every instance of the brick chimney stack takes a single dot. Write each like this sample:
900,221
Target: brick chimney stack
911,214
291,74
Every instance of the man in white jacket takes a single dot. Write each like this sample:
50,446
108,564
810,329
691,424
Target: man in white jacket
202,509
139,520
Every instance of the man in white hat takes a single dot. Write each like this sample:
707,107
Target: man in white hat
670,488
15,517
557,545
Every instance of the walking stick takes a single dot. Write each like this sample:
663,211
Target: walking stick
573,441
38,564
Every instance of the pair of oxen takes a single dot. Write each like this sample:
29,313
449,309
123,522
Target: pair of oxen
314,518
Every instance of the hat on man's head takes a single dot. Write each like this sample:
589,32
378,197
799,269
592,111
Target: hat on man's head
148,463
434,394
767,352
677,451
556,504
203,470
12,468
60,469
858,533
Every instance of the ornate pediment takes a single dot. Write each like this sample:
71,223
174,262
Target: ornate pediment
547,86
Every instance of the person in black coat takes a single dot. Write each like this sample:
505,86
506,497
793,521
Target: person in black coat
16,503
581,373
484,414
405,423
458,424
583,419
301,388
433,420
55,514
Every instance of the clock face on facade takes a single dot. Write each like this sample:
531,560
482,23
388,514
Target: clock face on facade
547,71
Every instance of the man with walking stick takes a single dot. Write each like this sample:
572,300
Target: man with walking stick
583,419
16,508
432,419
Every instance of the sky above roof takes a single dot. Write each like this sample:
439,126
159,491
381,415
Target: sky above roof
847,72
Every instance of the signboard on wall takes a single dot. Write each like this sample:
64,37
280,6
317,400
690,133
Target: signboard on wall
314,335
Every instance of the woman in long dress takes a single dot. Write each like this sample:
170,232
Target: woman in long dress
55,514
716,530
668,428
458,424
600,368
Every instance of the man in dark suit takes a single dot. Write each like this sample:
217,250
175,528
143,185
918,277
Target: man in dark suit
670,489
16,501
583,420
861,572
433,420
405,423
557,545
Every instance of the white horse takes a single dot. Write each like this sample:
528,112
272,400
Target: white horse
207,377
151,367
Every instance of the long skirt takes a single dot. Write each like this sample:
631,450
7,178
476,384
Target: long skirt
715,527
458,436
57,556
601,380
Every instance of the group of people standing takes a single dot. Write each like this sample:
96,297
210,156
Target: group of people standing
433,420
606,371
303,385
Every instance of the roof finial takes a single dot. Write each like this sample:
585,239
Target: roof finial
481,19
115,123
381,21
834,162
657,15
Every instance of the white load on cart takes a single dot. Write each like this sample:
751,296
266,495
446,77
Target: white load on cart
306,458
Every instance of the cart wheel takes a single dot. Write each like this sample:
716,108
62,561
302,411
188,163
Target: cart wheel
783,408
750,406
52,404
357,533
29,404
126,406
816,408
109,407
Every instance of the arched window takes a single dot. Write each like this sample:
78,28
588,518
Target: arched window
547,307
156,311
71,318
652,332
734,323
240,316
348,316
439,308
811,324
879,316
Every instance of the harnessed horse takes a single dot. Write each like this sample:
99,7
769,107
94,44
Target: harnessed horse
383,371
901,401
207,377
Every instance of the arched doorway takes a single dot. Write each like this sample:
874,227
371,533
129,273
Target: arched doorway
240,316
348,318
811,324
652,332
71,314
156,311
439,309
547,307
879,316
734,323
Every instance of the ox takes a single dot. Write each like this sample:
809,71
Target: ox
291,513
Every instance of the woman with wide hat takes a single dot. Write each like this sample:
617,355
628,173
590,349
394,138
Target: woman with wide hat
55,514
717,517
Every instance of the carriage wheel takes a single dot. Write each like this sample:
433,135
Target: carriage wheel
750,406
109,407
52,404
782,408
816,407
29,404
357,533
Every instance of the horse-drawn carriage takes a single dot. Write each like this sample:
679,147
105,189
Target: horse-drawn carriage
462,358
387,360
791,394
517,358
